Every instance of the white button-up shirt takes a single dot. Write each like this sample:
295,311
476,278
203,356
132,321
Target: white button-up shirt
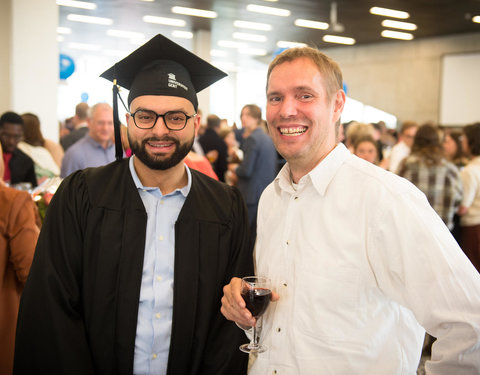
362,265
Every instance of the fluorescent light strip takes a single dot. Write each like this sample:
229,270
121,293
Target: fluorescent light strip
338,39
164,21
77,4
286,44
252,51
84,46
60,38
182,34
250,37
125,34
389,12
194,12
231,44
476,19
115,52
90,19
64,30
311,24
218,53
252,25
268,10
399,25
396,35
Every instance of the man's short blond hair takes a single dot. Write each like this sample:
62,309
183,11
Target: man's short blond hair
328,68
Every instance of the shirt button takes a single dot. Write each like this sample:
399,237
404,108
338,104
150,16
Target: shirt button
288,242
160,238
159,278
157,315
285,285
279,329
295,198
154,356
274,371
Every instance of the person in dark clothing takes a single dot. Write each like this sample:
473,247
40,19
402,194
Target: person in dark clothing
215,147
19,167
132,256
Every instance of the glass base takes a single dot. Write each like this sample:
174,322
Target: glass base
253,348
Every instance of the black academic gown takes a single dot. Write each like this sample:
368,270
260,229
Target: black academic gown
78,312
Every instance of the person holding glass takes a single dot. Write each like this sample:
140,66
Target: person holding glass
361,263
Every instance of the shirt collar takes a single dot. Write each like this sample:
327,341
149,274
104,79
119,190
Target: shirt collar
320,176
184,190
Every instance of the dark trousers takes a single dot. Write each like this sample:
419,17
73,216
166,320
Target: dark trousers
470,243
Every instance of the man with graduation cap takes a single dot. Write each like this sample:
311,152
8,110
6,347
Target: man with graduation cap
132,257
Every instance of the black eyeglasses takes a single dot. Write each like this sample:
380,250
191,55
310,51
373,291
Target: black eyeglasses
174,120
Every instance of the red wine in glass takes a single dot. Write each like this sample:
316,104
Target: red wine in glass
256,292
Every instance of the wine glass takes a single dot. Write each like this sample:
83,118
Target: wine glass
256,292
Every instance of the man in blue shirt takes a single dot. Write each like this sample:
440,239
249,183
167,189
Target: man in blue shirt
96,147
132,258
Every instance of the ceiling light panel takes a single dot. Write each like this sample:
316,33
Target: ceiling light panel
231,44
396,35
64,30
77,4
389,12
252,51
311,24
84,46
194,12
252,25
218,53
399,25
164,21
90,19
338,39
125,34
182,34
287,44
250,37
268,10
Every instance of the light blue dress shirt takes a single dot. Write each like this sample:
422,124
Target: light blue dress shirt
154,321
85,153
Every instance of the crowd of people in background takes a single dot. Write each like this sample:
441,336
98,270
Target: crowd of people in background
444,163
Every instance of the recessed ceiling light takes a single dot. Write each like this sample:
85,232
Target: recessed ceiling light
389,12
89,19
64,30
77,4
311,24
338,39
250,37
399,25
231,44
182,34
194,12
164,21
218,53
84,46
252,51
286,44
396,35
476,19
252,25
268,10
125,34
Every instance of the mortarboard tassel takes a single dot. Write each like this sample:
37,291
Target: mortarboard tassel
116,124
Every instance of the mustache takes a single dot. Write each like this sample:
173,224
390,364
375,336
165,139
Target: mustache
165,138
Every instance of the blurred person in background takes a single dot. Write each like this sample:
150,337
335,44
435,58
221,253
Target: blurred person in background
18,237
366,148
19,167
80,126
428,169
96,147
470,206
453,149
214,147
35,146
402,149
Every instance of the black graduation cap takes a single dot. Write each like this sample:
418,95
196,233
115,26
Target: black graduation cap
160,67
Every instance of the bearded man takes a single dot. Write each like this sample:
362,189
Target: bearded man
133,255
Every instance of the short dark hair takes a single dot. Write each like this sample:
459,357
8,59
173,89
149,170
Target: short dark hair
472,132
11,118
213,122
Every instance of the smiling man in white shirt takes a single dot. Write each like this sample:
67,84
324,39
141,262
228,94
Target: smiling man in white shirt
360,262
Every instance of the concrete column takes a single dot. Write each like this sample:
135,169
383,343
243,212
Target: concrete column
201,47
29,61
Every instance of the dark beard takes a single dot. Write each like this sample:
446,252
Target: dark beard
152,162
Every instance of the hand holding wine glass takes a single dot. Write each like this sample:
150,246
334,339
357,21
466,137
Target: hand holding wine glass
256,292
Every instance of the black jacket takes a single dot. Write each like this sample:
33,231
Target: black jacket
78,312
22,168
